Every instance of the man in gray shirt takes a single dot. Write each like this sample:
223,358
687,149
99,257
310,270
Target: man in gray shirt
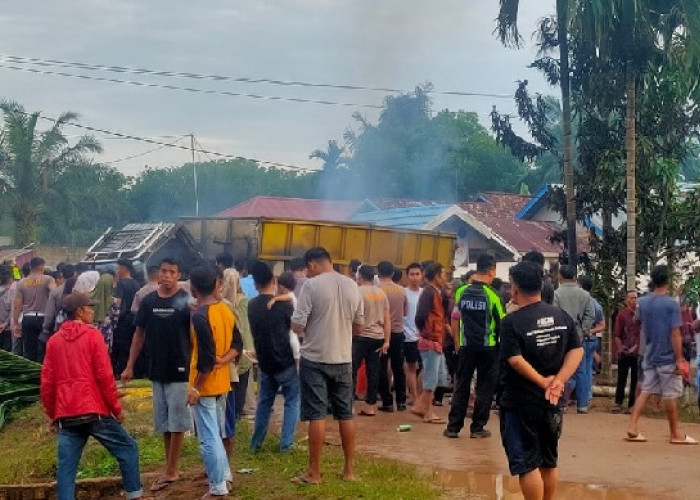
577,304
53,305
329,311
30,301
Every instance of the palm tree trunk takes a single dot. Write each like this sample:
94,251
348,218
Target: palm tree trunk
631,165
26,225
608,282
562,34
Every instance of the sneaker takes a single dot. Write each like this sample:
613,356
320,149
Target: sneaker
386,409
401,407
582,411
483,433
450,434
616,409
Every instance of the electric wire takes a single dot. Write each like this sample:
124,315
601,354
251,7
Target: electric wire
136,83
178,146
222,78
125,158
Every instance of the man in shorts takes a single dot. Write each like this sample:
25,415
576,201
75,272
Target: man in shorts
541,350
329,310
163,325
430,319
663,363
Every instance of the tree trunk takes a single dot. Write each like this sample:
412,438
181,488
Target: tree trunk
562,34
631,165
608,283
26,225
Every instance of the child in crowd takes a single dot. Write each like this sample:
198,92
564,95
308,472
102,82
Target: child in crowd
285,293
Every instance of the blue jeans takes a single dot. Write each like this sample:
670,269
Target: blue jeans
112,436
288,379
209,425
582,381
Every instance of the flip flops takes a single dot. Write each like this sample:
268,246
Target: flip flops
162,482
635,438
303,480
436,420
687,440
366,414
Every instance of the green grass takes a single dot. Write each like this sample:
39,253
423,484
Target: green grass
29,451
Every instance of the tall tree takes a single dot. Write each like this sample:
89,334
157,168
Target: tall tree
508,33
31,161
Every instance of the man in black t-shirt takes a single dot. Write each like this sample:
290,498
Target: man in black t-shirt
541,351
123,333
270,327
163,324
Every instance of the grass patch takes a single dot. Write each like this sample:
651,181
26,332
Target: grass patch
29,455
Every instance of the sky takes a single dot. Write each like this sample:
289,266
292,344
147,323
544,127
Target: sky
393,44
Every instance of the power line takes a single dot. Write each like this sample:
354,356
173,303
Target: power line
125,158
187,89
198,76
178,146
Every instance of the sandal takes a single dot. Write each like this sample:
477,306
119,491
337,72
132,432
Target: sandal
302,480
686,440
435,420
162,483
635,438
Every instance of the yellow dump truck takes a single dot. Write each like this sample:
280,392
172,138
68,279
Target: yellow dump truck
279,240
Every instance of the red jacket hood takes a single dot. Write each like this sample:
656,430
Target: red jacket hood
73,330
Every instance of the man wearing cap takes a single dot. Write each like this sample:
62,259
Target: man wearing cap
79,395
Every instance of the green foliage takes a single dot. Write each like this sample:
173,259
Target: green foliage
166,194
19,384
31,161
85,200
409,153
33,459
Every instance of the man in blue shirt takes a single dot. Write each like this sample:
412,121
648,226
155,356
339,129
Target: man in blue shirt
663,361
247,283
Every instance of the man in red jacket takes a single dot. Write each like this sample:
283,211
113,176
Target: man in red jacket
79,395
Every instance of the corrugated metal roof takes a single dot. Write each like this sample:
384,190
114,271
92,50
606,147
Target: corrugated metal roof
498,211
293,208
407,218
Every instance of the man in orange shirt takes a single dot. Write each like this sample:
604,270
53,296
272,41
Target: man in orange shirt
213,348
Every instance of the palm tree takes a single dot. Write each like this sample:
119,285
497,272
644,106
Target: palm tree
508,33
31,160
332,157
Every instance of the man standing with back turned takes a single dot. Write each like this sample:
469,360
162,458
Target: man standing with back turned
541,350
329,310
577,304
30,300
481,312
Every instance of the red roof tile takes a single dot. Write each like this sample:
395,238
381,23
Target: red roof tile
293,208
498,210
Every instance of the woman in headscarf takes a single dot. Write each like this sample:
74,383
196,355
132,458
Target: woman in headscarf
106,310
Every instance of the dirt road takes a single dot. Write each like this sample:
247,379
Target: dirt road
595,462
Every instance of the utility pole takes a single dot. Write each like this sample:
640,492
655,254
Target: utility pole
194,169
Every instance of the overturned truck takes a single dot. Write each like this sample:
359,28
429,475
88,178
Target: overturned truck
275,241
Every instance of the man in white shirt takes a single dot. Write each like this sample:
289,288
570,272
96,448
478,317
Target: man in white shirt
414,274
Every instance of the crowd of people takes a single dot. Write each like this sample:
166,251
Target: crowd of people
313,334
